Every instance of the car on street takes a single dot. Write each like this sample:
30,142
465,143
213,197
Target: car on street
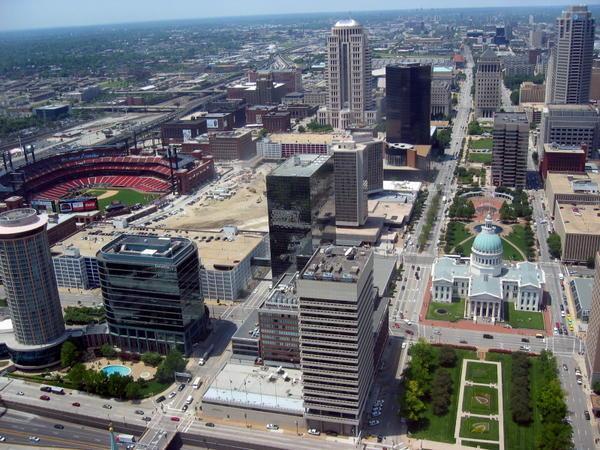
162,398
209,424
2,438
175,419
146,419
58,426
181,387
34,439
107,406
565,367
314,432
409,332
404,345
374,422
20,393
524,340
139,412
172,394
272,426
462,341
184,407
586,414
44,397
376,413
579,381
76,404
488,336
577,372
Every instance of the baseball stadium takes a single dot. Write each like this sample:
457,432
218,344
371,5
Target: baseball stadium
100,178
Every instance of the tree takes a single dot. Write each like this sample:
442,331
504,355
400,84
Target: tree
596,387
133,390
68,354
174,362
514,97
444,137
474,128
441,392
414,407
151,359
554,245
555,436
447,357
77,375
262,133
117,385
108,351
301,129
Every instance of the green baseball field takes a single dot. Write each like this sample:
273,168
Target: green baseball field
125,196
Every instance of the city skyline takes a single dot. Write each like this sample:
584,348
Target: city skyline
28,15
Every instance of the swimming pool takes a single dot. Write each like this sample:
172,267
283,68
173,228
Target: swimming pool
118,369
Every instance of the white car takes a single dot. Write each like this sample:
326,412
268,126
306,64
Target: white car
20,393
272,426
314,432
2,438
373,422
404,345
34,439
172,394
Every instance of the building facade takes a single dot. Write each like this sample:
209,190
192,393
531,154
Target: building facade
349,80
441,99
151,293
408,103
592,341
569,81
563,158
230,145
336,337
579,230
488,79
350,185
509,152
531,93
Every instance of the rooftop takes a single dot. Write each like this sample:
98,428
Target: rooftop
300,166
146,247
336,263
346,23
564,183
583,287
283,296
557,148
259,388
579,219
510,118
20,221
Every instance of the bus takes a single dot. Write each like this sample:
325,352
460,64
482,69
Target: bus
125,438
53,389
197,383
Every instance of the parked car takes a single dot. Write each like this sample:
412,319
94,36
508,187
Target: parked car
184,407
586,415
272,426
172,394
139,412
373,422
314,432
162,398
107,406
146,419
565,367
175,419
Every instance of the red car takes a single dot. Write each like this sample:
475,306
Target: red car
175,419
76,404
409,332
44,397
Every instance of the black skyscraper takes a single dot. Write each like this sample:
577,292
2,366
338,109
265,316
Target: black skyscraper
408,103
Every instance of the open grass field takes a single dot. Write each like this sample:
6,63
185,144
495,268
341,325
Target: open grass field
450,312
441,428
519,437
483,445
482,373
518,238
480,144
479,428
125,196
523,319
460,234
480,400
484,158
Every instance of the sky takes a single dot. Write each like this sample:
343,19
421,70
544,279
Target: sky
30,14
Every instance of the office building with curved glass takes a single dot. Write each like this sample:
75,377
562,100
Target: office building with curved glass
151,291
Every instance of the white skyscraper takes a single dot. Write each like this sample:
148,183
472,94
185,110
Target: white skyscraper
570,66
349,96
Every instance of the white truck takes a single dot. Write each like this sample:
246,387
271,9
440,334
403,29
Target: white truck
125,438
205,355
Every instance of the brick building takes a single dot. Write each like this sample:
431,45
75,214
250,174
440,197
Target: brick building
230,145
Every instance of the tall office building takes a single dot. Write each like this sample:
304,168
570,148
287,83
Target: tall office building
151,292
374,150
408,103
31,292
349,78
350,186
509,153
488,94
570,68
336,337
301,211
592,341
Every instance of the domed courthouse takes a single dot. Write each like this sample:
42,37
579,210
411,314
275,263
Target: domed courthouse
485,281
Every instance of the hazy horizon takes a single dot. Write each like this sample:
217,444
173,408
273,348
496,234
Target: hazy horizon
34,14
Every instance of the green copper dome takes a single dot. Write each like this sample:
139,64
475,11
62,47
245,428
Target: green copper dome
488,241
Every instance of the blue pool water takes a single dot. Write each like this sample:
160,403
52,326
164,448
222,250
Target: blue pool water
118,369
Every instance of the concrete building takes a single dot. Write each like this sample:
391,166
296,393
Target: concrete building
592,341
530,92
31,292
286,145
230,145
177,132
336,337
349,84
350,185
488,94
595,81
571,67
509,152
301,211
441,98
581,291
563,158
572,188
570,125
517,65
291,78
151,293
485,281
579,230
408,103
263,91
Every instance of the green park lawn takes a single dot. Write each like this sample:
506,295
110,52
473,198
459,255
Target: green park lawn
480,400
523,319
482,445
517,237
480,144
482,373
460,234
484,158
479,428
453,311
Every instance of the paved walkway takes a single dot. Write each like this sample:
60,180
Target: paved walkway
463,414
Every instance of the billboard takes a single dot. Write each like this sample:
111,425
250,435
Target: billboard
81,204
212,123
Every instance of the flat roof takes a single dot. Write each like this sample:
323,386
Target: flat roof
143,246
300,166
248,328
557,148
564,183
583,286
21,220
510,117
391,210
257,387
336,263
383,270
579,219
303,138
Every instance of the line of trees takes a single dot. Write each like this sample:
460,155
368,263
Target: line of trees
554,245
429,220
520,394
83,315
462,208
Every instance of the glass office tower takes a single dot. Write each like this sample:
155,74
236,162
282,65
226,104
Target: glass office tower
151,292
301,210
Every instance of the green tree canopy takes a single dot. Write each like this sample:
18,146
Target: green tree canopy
68,354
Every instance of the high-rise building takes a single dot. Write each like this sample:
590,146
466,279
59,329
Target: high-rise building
570,125
509,153
301,211
349,79
336,337
350,184
570,69
592,341
408,103
488,94
374,150
151,292
31,292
